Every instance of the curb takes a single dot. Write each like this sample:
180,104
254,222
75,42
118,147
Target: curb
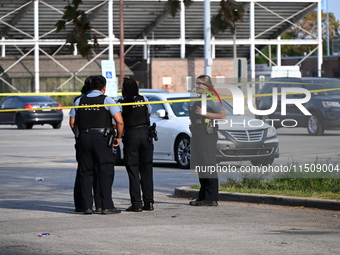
327,204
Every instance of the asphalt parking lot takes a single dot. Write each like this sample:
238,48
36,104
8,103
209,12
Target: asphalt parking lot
29,207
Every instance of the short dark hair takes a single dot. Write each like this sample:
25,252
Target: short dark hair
130,88
98,82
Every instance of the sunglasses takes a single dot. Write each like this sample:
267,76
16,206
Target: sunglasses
200,83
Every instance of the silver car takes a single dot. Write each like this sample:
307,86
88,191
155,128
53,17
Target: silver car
255,142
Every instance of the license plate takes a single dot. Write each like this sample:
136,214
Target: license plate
47,110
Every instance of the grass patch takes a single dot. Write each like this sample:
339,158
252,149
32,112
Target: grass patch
325,188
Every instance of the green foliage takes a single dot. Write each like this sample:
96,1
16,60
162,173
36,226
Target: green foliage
229,13
308,23
174,6
64,100
304,187
294,184
80,34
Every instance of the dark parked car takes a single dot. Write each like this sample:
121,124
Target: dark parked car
323,105
26,119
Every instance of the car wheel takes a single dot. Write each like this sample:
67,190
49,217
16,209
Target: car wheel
314,126
19,121
182,151
56,125
263,162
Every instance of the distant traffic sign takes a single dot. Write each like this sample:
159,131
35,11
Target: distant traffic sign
109,72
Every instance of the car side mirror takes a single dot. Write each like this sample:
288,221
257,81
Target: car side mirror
161,113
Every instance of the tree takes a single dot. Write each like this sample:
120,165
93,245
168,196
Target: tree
229,13
309,25
227,16
80,35
175,5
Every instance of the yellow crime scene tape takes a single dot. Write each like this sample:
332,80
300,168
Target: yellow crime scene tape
101,105
138,103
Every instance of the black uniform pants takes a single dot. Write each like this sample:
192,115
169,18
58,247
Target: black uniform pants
77,194
203,155
96,157
138,155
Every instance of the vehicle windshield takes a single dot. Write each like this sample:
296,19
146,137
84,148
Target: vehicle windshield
181,109
39,99
324,86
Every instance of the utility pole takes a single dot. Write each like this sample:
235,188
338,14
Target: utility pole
207,39
121,36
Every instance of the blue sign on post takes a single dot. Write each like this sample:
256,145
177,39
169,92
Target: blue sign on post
109,72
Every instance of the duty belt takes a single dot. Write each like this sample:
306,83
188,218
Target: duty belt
93,130
139,126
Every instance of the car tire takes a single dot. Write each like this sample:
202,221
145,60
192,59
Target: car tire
314,126
56,125
182,151
263,162
19,121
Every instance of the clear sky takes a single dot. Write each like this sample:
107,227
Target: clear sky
333,6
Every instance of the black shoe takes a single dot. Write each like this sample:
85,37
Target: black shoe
79,210
98,210
133,208
203,203
195,202
88,211
111,211
148,207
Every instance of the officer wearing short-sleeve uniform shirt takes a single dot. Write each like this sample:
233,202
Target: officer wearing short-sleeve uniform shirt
138,147
95,126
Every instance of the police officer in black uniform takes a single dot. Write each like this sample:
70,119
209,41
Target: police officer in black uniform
203,143
95,144
77,195
138,147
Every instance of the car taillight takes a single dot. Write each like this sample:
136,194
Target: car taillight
28,106
59,105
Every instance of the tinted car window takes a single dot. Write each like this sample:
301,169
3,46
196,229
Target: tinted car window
7,103
324,85
36,99
180,109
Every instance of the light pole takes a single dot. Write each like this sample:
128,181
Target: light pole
207,39
121,37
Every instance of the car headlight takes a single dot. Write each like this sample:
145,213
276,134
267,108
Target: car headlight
328,104
271,132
